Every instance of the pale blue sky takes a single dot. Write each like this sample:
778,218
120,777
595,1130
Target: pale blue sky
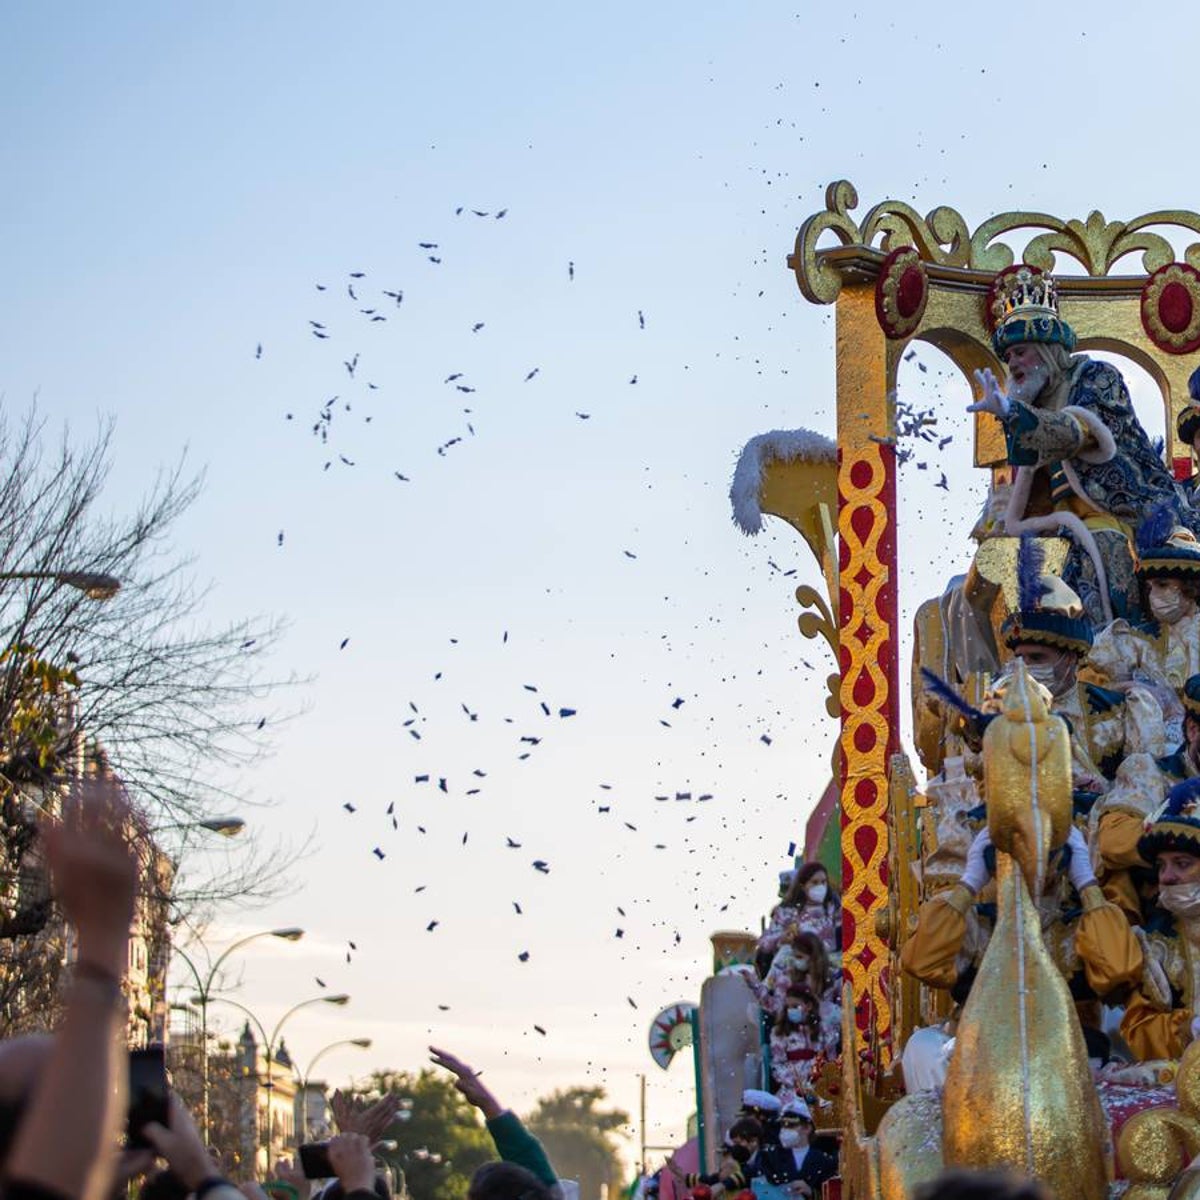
178,179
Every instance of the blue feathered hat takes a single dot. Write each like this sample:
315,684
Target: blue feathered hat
1177,824
1048,612
1166,548
1024,306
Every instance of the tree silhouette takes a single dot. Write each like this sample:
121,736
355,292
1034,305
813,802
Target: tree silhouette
578,1137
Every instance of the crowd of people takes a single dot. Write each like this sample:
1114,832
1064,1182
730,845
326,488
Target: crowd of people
798,980
66,1129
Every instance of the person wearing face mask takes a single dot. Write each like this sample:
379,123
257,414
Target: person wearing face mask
1116,735
1089,939
1163,652
797,1041
803,962
813,1165
810,905
1163,1016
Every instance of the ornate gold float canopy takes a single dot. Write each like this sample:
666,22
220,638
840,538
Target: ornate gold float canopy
937,290
895,277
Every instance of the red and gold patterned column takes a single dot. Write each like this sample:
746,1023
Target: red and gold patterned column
868,615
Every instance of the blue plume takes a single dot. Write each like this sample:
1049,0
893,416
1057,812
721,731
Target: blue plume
942,690
1182,796
1029,573
1194,385
1159,446
1157,527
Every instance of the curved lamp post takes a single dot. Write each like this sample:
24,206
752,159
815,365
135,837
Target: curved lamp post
363,1043
340,999
204,996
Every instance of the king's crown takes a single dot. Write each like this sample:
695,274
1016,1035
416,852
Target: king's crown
1026,293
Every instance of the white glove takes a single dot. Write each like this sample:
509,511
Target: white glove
994,400
1080,870
1154,979
975,874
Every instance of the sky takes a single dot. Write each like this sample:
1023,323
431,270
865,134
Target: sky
183,181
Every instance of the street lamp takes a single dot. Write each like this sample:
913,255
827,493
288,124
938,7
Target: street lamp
363,1043
339,999
204,996
93,584
224,826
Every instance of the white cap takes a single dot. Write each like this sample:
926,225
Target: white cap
763,1101
796,1108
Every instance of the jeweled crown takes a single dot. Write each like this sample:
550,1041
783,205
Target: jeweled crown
1025,293
1023,305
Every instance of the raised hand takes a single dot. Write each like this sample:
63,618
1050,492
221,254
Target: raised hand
994,400
94,869
355,1116
350,1157
467,1082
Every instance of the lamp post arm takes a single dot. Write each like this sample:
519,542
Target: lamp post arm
262,1033
212,974
191,966
290,1012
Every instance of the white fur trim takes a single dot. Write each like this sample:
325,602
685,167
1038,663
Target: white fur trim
1106,445
782,445
1015,525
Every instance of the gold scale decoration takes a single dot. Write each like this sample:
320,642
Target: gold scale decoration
894,277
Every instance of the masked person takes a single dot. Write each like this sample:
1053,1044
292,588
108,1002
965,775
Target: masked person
1162,653
1163,1016
1089,939
1084,465
810,905
1184,762
813,1166
798,1040
1115,735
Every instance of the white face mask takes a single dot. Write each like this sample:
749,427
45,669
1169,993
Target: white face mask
788,1138
1169,606
817,893
1180,899
795,1015
1055,677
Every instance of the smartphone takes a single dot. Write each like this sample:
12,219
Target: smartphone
314,1160
149,1094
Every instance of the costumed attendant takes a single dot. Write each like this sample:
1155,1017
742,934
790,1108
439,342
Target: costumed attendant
1184,762
1116,735
1164,651
1096,951
813,1166
1163,1015
1084,463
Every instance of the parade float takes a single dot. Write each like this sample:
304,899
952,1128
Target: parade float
1018,1089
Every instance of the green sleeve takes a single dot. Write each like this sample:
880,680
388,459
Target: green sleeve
515,1144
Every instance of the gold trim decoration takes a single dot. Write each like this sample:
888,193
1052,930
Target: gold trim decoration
867,484
942,237
1156,1143
901,293
1170,308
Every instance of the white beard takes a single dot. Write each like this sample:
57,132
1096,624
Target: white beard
1032,386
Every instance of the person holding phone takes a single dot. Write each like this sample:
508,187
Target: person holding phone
82,1084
